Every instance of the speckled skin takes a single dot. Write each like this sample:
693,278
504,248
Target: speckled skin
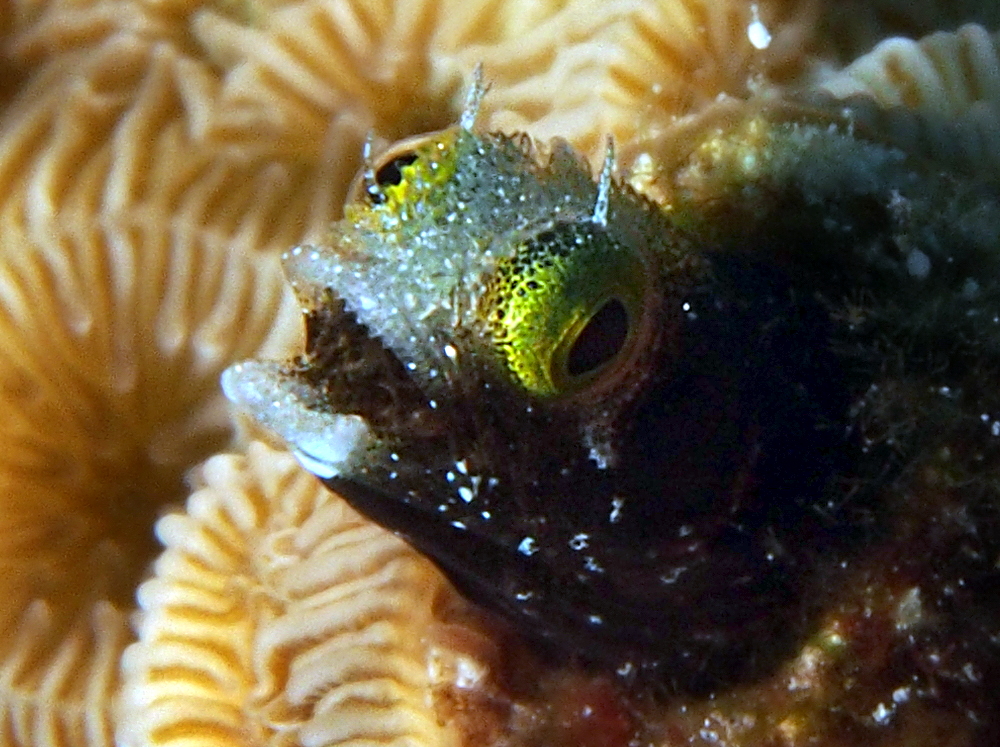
817,327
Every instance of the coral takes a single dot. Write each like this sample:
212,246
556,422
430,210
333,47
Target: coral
155,157
129,282
851,28
939,96
278,615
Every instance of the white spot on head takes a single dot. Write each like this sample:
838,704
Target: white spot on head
616,509
466,494
528,546
579,541
600,450
881,715
468,673
909,610
671,578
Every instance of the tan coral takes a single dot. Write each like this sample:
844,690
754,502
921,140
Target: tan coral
620,68
939,96
945,73
312,79
126,101
131,277
279,616
850,28
579,70
109,393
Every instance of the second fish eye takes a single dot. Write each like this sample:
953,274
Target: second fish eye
389,174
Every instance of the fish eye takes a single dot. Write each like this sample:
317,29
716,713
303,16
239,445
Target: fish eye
566,310
600,340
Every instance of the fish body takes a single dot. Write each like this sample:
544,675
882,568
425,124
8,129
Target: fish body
642,433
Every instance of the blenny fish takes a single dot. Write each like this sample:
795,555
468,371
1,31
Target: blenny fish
651,435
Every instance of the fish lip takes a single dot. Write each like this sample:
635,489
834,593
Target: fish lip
324,443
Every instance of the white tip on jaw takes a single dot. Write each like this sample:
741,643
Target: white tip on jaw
600,215
473,99
324,443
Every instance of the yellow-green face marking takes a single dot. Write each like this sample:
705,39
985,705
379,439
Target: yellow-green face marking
564,307
406,182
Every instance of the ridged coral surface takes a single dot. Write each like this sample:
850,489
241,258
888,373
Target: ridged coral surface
278,615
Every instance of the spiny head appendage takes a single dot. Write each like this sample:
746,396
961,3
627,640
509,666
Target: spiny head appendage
600,214
473,99
368,173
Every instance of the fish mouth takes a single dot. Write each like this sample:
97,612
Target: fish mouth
337,401
357,374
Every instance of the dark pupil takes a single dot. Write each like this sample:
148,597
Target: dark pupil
600,340
392,172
